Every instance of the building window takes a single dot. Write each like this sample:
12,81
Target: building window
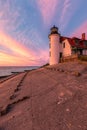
49,39
64,45
50,45
50,54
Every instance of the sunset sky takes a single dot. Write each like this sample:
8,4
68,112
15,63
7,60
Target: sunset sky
25,25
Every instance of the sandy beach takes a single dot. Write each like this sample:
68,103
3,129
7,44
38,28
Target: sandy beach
49,98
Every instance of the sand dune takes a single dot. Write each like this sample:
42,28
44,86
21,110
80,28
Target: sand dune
49,98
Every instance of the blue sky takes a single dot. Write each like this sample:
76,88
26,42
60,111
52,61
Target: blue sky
25,25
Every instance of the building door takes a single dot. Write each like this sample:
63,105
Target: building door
60,57
60,54
80,51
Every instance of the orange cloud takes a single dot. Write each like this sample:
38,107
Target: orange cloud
20,56
15,46
9,60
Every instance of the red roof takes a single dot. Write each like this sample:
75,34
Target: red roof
75,42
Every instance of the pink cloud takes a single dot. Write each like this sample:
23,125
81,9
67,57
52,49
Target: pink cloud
8,19
67,12
44,56
13,45
82,29
47,9
65,9
20,54
11,60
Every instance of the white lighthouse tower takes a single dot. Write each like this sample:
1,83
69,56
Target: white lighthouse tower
54,38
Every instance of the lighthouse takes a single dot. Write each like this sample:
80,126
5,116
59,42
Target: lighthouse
54,41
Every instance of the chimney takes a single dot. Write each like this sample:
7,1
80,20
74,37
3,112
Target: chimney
83,36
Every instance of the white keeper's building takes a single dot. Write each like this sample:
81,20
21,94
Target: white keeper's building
60,46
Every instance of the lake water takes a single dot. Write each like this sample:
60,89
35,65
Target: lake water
4,71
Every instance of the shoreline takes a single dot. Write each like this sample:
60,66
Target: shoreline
8,71
7,77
